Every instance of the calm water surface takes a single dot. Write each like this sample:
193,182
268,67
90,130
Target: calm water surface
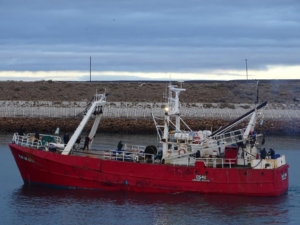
39,205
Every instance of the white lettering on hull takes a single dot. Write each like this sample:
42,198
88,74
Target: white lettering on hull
26,158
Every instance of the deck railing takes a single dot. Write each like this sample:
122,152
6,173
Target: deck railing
29,140
208,162
119,155
215,162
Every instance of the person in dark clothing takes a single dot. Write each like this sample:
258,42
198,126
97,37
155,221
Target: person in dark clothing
120,146
66,138
254,136
21,130
271,153
78,142
86,143
37,135
263,153
158,156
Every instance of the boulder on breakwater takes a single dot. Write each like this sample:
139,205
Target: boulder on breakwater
137,126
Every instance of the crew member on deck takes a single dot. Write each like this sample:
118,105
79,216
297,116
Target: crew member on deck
37,135
271,153
86,143
120,146
254,136
66,138
263,153
21,130
78,142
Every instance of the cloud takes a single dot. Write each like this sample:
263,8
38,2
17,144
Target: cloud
154,37
274,72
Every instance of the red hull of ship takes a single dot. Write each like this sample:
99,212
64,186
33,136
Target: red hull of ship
67,171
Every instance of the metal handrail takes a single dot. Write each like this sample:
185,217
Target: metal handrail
217,161
134,147
29,140
120,155
208,162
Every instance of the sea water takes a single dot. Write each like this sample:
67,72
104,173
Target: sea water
40,205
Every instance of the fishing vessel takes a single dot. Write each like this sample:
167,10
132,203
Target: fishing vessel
224,161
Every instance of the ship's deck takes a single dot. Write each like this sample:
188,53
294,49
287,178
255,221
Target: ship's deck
136,154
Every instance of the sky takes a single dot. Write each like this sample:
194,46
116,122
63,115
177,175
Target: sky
149,40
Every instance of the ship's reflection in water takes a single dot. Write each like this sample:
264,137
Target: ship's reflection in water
49,206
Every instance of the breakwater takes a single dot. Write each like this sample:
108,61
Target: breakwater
136,117
138,126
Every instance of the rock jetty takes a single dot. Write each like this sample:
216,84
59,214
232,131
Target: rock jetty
136,126
279,93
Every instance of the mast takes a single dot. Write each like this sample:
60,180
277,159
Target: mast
256,102
253,120
173,109
174,104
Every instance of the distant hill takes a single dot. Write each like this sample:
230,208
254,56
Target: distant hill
237,91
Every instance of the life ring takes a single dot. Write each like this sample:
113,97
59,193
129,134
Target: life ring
196,139
181,151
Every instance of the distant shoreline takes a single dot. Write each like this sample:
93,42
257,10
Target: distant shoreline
225,93
201,91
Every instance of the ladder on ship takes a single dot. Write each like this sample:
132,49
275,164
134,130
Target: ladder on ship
157,126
